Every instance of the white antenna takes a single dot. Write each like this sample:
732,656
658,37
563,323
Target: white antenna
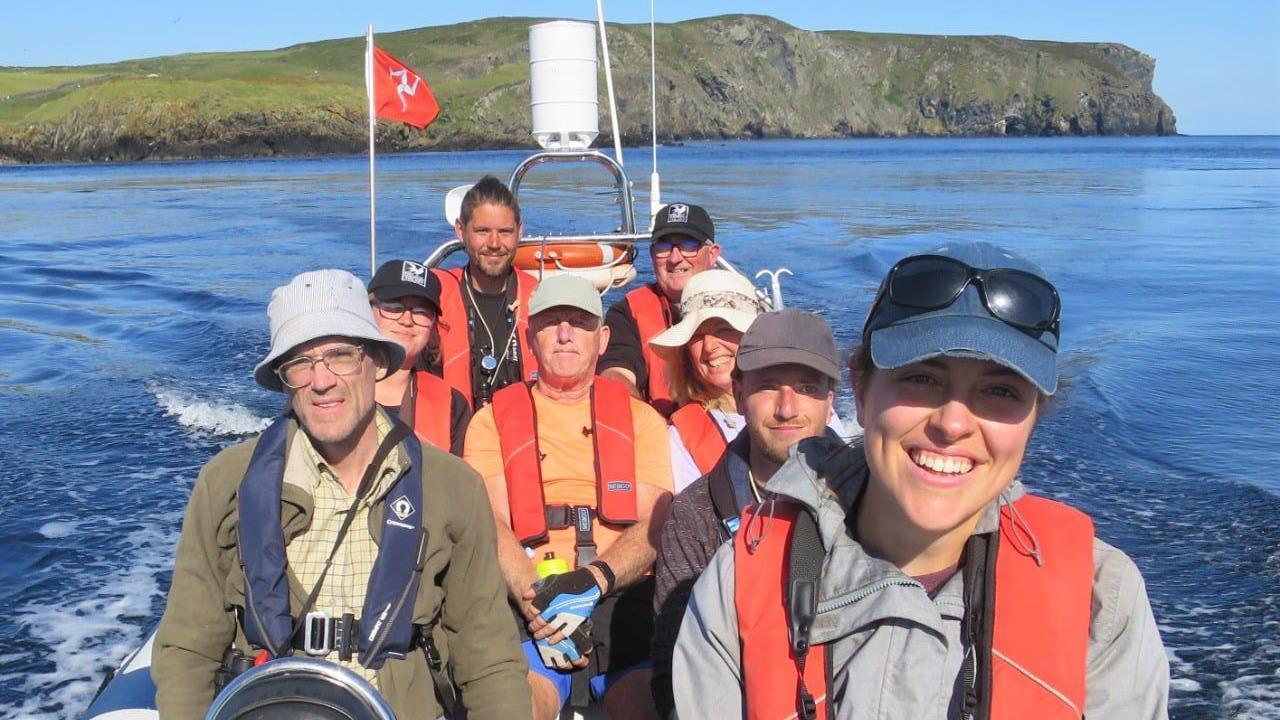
608,81
655,183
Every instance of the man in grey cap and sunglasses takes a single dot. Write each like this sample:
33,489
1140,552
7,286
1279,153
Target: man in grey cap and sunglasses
317,537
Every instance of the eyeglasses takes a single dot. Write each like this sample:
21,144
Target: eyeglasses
421,316
688,247
1015,297
341,360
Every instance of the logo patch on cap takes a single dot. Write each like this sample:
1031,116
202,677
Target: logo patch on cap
413,272
678,213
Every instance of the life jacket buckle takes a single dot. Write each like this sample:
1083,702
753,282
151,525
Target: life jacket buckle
317,640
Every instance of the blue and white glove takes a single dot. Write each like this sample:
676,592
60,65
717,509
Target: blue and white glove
561,655
566,602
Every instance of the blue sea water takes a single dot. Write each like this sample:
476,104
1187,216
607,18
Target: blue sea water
132,309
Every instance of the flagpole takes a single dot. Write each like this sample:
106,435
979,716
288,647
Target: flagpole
373,122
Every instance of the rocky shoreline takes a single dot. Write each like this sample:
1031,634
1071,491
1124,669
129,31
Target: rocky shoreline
727,77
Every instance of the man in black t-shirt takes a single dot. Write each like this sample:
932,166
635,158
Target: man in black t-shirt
485,305
683,245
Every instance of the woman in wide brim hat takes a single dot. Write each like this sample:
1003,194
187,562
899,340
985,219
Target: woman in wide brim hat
716,308
927,580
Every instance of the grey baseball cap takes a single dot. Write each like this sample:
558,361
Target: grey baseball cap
564,290
789,336
900,335
319,304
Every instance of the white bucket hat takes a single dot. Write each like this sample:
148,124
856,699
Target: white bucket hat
709,294
318,304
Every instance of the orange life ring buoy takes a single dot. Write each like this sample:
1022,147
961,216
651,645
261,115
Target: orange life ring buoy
571,256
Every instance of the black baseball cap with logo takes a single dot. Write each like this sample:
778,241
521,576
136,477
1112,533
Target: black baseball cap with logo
684,219
402,278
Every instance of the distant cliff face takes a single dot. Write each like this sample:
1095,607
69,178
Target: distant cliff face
723,77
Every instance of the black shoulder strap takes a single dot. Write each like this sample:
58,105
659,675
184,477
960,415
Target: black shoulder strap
721,489
804,571
441,677
978,624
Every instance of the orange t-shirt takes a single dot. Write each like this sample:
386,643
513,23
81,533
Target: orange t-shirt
568,459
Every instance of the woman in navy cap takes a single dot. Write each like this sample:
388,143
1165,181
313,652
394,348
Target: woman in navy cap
405,296
920,578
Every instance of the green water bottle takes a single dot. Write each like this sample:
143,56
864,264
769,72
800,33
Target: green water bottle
551,565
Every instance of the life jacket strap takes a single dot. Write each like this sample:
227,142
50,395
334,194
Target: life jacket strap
581,518
584,540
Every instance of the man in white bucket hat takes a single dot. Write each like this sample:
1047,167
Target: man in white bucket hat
327,504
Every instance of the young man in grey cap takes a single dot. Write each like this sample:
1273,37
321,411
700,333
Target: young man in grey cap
683,245
327,504
577,470
784,386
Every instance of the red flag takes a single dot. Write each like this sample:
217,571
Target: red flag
401,94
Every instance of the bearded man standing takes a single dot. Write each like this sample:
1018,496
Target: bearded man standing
485,305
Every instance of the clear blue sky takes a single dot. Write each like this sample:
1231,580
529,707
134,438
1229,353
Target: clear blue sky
1218,61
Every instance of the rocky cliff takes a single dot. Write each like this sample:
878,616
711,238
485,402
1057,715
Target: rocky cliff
722,77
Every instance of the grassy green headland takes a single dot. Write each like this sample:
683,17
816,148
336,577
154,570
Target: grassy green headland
734,76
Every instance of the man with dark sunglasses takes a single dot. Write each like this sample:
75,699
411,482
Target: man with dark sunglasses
683,245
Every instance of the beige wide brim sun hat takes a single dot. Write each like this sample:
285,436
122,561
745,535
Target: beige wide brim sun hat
710,294
316,304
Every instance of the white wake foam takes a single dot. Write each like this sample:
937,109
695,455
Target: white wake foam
85,635
219,418
57,529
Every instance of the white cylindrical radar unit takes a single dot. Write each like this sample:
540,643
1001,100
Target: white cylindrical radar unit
563,84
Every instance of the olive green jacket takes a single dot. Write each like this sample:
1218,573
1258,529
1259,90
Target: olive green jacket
461,589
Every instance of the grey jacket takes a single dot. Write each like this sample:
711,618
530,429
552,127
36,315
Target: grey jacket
896,653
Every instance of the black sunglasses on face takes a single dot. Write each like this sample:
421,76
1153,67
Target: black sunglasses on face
1015,297
688,247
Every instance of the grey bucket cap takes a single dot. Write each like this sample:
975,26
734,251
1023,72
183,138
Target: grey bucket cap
316,304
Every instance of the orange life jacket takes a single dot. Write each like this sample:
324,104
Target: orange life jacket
652,313
1041,617
614,435
455,332
432,410
700,434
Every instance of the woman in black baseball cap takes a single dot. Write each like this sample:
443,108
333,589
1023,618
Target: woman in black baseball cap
405,296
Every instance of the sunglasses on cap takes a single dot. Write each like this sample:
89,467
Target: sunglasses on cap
1015,297
687,246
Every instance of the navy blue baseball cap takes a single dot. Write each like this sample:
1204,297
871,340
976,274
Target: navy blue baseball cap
901,335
